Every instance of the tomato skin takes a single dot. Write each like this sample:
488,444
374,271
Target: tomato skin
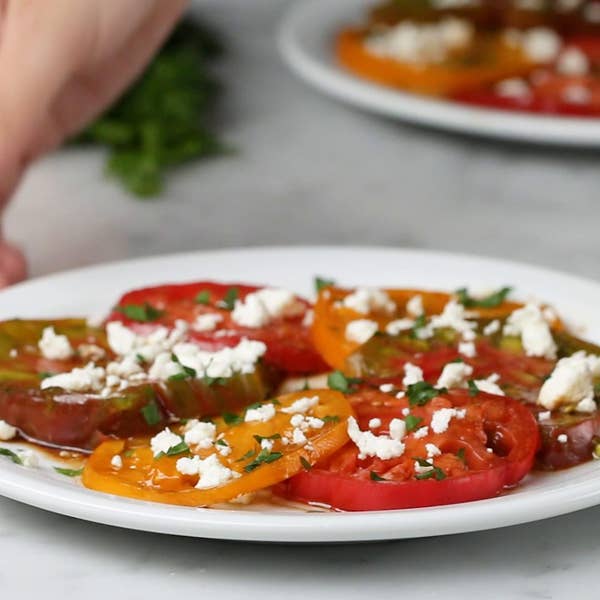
343,481
288,342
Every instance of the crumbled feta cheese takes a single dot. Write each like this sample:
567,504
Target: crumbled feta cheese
454,317
207,322
54,346
536,336
88,378
400,395
432,450
454,375
562,438
305,423
165,440
374,423
266,444
405,411
199,433
260,308
420,469
367,300
29,459
397,429
541,44
571,382
386,388
489,385
399,325
492,327
302,405
7,432
261,414
467,349
223,449
91,352
441,418
412,374
513,88
309,318
421,432
298,437
361,330
380,446
212,473
414,307
544,416
572,61
13,353
116,461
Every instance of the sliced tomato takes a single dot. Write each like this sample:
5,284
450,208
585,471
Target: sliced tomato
146,477
491,448
289,346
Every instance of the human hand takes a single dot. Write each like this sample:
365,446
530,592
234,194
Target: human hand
61,64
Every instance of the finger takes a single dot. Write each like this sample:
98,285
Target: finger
13,266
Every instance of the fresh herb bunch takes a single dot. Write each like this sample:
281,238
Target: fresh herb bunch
162,121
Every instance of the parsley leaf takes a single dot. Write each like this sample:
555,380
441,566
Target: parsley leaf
307,466
202,297
421,393
232,419
174,450
151,413
264,457
375,477
221,442
249,454
434,472
69,472
412,422
12,455
419,323
491,301
473,389
260,438
141,312
461,455
330,419
45,374
338,381
228,301
321,283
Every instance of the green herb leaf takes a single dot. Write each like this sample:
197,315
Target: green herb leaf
330,419
231,295
260,438
222,443
141,312
419,323
69,472
203,297
491,301
307,466
338,381
458,359
473,389
321,282
232,419
412,422
461,455
375,477
151,413
435,472
175,450
45,374
246,456
264,457
12,455
140,359
421,393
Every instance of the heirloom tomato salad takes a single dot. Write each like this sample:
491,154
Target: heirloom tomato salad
538,56
366,399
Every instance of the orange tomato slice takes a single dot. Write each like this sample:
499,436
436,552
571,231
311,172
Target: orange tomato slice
145,477
488,60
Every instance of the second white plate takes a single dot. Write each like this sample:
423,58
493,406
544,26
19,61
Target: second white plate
306,44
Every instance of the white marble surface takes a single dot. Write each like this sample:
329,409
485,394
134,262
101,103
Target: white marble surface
308,170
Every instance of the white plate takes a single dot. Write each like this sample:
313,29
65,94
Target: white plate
88,291
306,43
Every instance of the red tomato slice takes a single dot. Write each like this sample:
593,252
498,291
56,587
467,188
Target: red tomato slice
469,470
289,346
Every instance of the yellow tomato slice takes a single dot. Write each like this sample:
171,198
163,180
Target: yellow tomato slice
145,477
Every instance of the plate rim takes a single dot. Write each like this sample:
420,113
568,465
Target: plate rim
412,108
75,501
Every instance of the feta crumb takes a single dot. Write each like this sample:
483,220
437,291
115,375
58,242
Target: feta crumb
541,44
399,325
13,353
544,415
29,459
441,418
405,411
302,405
513,88
419,468
386,388
455,374
207,322
7,432
165,440
212,473
397,429
380,446
88,378
421,432
54,346
199,433
572,61
562,438
261,414
374,423
536,335
366,300
432,450
489,385
492,327
400,395
298,437
412,374
361,330
116,461
259,308
467,349
454,317
414,307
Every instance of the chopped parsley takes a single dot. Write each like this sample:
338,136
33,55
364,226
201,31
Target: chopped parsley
232,419
375,477
321,283
265,457
151,413
412,422
421,393
69,472
222,443
330,419
45,374
338,381
461,455
249,454
12,455
492,301
305,464
141,312
419,323
175,450
202,297
473,389
260,438
433,473
228,301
